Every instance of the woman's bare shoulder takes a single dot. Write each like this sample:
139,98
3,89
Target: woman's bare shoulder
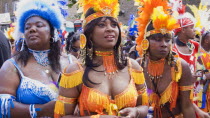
134,64
75,66
9,78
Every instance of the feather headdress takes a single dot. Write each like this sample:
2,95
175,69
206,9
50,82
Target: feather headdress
201,12
46,9
101,7
157,12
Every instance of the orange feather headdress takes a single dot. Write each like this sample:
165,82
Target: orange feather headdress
102,8
156,11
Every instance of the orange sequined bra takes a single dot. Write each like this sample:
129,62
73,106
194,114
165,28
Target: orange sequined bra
94,101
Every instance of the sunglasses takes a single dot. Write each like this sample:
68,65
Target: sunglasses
75,49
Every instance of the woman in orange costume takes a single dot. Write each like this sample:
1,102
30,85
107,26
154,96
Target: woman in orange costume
168,78
104,83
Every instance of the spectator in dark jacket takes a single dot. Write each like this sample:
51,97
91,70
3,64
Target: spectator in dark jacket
5,51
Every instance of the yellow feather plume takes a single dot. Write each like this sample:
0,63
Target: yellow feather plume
161,20
202,15
145,12
112,4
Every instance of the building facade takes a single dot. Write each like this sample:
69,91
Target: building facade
8,6
127,8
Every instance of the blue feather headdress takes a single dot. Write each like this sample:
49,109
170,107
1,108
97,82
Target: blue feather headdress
46,9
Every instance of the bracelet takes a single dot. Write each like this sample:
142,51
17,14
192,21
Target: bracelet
32,111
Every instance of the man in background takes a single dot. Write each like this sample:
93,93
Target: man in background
5,50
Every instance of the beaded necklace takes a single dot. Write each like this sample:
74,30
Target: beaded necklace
155,69
108,61
41,56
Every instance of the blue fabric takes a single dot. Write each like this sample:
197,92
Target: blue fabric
6,103
31,91
47,15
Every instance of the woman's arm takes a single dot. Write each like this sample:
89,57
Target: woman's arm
9,82
141,109
186,80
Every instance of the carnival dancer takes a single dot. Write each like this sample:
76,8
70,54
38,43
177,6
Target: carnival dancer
184,44
168,78
28,80
202,26
104,83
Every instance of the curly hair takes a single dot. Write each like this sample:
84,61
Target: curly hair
71,39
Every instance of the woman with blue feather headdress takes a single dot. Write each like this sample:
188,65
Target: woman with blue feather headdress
28,81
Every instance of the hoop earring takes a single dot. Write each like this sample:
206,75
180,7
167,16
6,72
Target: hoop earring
145,45
83,42
51,40
22,45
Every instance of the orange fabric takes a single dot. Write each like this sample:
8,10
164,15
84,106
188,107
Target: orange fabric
169,95
92,100
66,100
205,59
186,88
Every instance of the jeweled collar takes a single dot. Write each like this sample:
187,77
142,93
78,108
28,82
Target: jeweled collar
41,56
188,44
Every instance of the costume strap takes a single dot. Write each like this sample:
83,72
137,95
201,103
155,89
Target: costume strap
17,67
59,105
6,103
70,80
143,93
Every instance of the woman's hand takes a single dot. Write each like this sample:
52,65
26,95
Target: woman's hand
201,113
130,112
46,109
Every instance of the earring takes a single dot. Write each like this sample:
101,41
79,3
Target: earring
22,46
145,45
55,37
90,50
52,40
83,42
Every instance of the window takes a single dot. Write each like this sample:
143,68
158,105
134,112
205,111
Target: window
6,8
14,6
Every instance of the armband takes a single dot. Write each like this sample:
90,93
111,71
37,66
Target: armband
6,103
59,105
